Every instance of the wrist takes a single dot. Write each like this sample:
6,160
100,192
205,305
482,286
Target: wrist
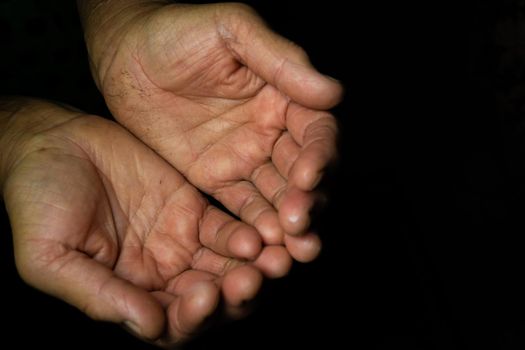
105,24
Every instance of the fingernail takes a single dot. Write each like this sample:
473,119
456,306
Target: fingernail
132,327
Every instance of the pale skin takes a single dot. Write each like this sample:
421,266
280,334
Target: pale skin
119,229
236,108
102,222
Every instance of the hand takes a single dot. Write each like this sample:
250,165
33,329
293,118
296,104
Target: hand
102,222
233,106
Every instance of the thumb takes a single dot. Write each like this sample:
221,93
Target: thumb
93,288
278,61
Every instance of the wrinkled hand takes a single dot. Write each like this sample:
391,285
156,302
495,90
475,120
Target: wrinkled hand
234,107
102,222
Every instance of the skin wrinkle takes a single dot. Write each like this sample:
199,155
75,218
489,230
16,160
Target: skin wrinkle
219,229
278,196
147,252
320,138
177,46
209,75
55,251
115,33
71,155
123,224
136,58
233,44
283,121
214,120
106,254
143,254
257,171
188,97
316,139
229,40
228,264
180,269
138,216
260,213
196,257
306,130
97,295
277,76
270,153
245,159
28,153
247,202
217,141
289,161
61,261
153,230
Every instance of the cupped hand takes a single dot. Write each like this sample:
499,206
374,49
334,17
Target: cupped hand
237,109
102,222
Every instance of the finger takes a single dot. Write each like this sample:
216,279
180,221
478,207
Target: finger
241,285
184,282
295,214
93,288
189,299
188,311
303,248
285,152
316,133
294,211
191,277
245,201
278,61
227,236
208,261
274,261
270,183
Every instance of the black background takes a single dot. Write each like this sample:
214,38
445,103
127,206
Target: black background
423,245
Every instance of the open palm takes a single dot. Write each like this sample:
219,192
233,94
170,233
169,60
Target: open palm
231,105
101,221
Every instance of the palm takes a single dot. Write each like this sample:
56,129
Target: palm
103,210
232,134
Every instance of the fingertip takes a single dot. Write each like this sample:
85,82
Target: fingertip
294,211
305,248
192,309
327,92
245,243
274,262
306,86
202,300
241,284
147,318
333,92
304,176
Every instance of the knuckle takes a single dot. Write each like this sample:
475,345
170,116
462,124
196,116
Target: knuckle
278,195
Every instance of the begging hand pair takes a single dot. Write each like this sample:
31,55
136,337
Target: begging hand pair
111,218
